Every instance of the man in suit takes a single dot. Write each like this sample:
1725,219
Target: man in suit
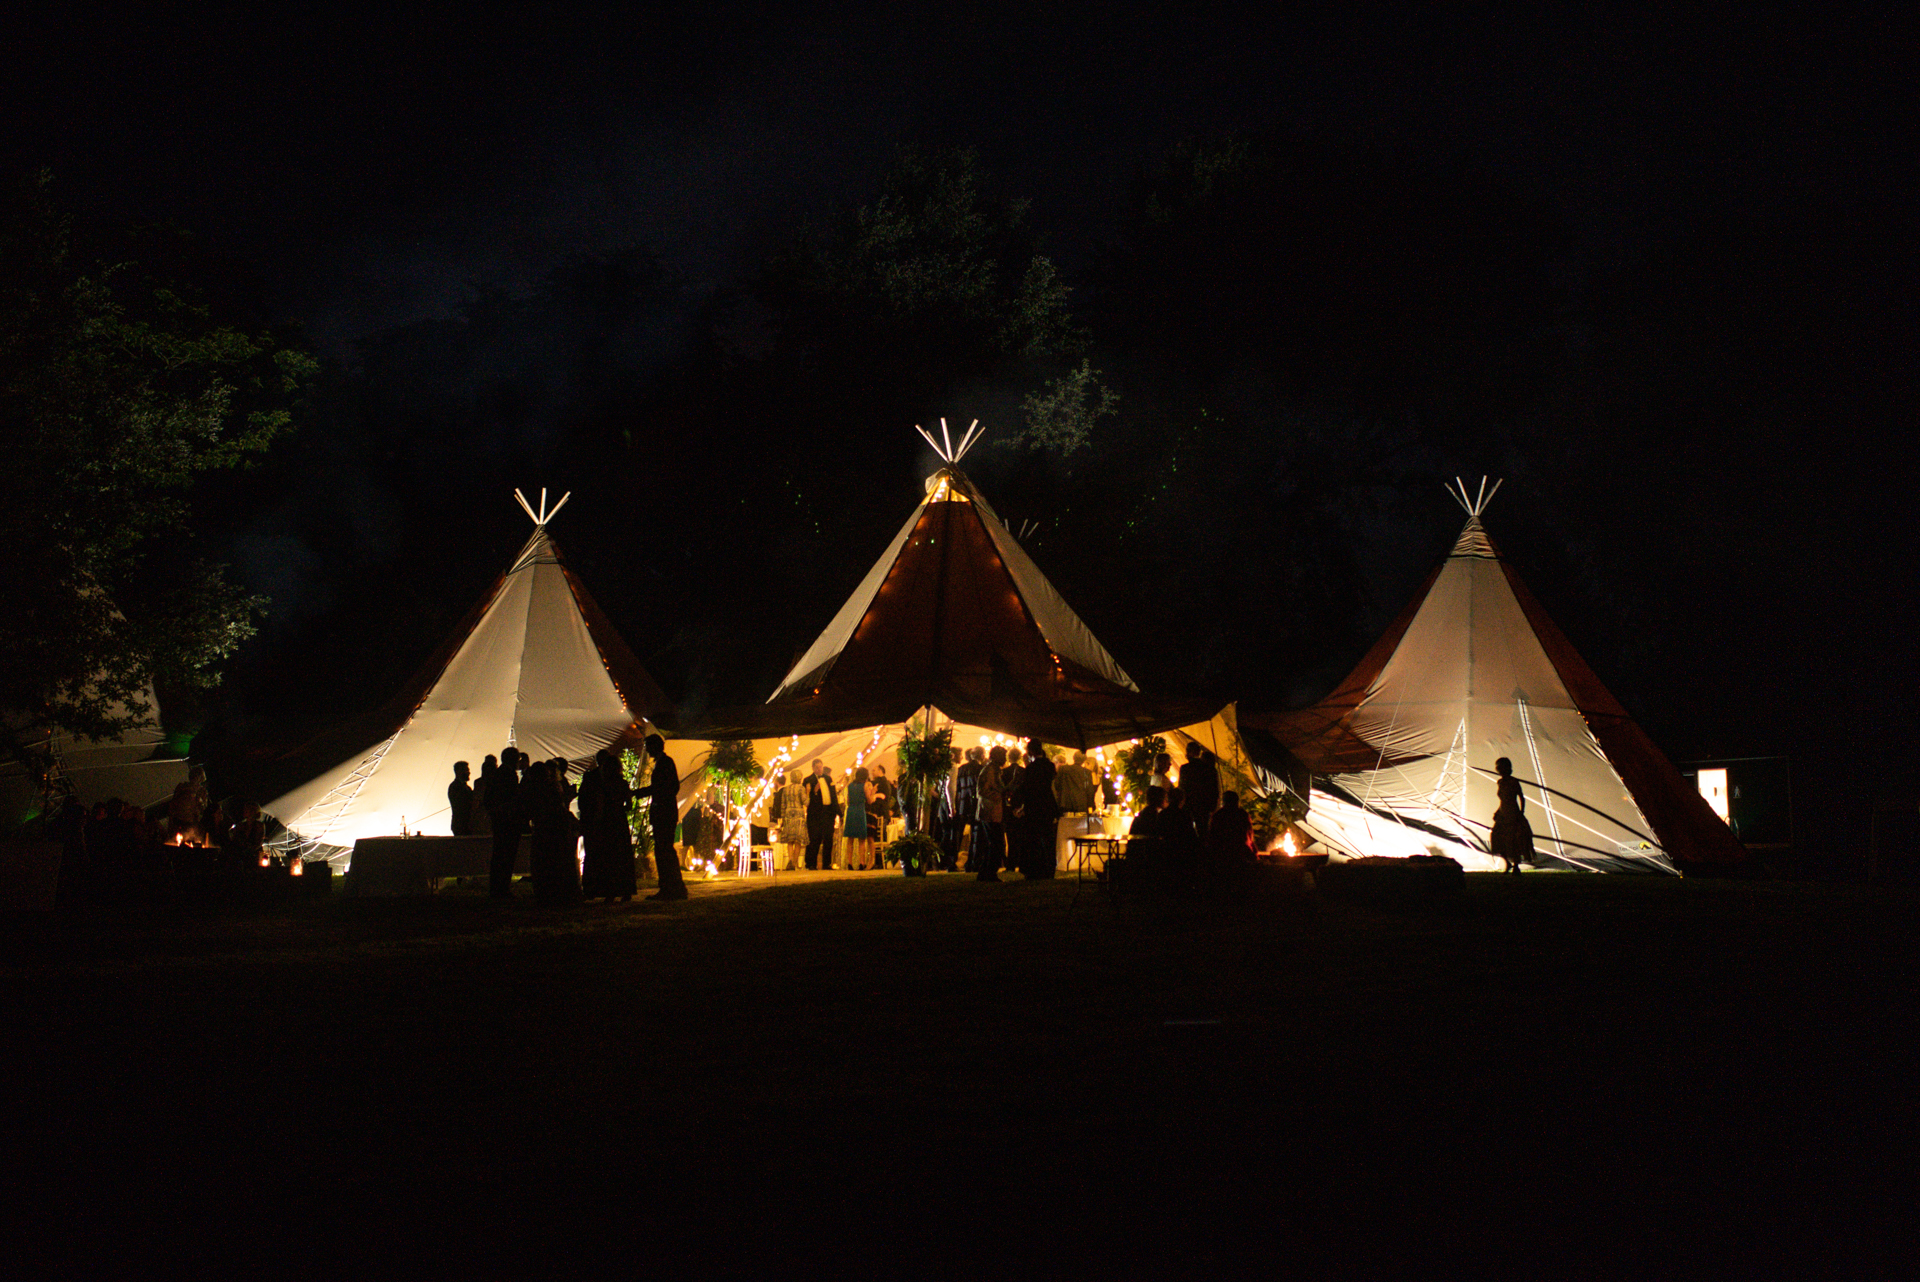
1074,789
1199,786
503,808
1073,786
1039,815
823,807
460,800
663,792
966,806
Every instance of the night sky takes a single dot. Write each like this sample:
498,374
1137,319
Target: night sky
1690,348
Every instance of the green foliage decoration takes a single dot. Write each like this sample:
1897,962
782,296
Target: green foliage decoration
925,757
638,769
1273,812
732,762
915,853
1136,766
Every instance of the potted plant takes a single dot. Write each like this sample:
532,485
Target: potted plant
916,852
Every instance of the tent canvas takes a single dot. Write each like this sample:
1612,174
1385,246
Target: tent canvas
956,616
536,664
1403,751
134,765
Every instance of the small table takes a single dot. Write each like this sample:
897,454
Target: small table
1108,849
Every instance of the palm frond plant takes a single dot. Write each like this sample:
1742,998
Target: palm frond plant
924,760
1136,767
732,765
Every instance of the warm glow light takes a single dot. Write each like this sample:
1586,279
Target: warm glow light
1713,786
298,868
265,860
1287,844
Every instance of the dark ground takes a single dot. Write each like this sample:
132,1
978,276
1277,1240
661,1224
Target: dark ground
1565,1076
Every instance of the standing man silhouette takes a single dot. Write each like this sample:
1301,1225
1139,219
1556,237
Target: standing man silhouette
823,807
1199,786
503,808
664,789
460,800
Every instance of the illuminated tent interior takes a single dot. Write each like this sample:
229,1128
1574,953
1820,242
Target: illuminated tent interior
535,664
1402,753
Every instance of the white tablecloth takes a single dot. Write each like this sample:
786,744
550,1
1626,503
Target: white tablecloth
408,865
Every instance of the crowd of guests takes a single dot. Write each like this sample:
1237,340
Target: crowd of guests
819,824
1000,809
1188,828
579,836
196,836
997,809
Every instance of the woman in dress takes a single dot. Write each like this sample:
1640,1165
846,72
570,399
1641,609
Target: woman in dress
793,818
1162,777
854,830
607,870
879,813
556,873
1512,838
987,848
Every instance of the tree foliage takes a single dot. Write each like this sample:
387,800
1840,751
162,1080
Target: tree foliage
931,262
1061,416
118,389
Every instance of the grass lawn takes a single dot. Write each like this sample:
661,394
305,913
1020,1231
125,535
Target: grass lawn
872,1076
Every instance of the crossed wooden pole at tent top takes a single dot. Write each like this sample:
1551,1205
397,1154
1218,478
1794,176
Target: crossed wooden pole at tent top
947,452
1458,491
543,515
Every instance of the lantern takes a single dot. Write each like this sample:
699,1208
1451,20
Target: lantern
297,868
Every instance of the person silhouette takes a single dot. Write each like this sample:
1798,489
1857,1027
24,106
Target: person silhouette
503,809
460,800
1199,786
1512,837
606,872
823,808
663,791
1039,822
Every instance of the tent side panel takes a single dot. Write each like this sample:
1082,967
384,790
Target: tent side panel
1318,736
1055,619
641,693
1681,818
826,648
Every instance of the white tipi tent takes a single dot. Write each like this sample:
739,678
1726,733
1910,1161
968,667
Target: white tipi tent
1403,752
537,665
